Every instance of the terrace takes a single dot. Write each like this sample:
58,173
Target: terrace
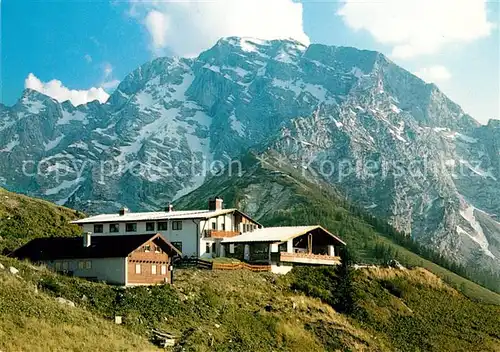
309,258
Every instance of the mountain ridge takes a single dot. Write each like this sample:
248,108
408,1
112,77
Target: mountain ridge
172,122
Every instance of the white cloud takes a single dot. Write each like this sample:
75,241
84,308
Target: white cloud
422,27
108,70
107,80
88,58
189,27
56,90
157,25
434,74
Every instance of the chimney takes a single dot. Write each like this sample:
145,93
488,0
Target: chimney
87,239
124,211
215,204
169,208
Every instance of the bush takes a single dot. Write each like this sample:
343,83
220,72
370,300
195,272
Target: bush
333,285
346,295
318,282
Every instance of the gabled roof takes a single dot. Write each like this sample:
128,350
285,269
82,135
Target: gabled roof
277,234
53,248
158,216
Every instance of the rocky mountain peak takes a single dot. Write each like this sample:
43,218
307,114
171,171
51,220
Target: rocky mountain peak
255,45
347,59
33,101
494,124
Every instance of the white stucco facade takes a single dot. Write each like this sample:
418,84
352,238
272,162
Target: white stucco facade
188,232
188,235
219,223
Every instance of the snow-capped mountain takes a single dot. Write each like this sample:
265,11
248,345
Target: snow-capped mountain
389,141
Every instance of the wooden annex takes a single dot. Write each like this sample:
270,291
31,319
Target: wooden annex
120,260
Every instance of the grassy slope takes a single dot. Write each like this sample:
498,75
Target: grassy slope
297,202
23,218
244,311
31,320
467,287
418,309
208,310
412,310
241,311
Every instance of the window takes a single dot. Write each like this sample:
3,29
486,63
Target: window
65,266
223,227
164,270
207,248
88,264
150,226
138,268
114,228
147,248
98,228
282,247
131,227
176,225
177,245
58,266
153,269
231,248
81,265
163,226
214,226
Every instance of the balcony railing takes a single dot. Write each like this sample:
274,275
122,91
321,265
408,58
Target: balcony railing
220,233
309,258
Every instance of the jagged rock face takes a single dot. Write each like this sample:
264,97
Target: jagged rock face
411,156
319,107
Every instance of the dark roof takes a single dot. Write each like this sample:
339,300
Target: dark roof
53,248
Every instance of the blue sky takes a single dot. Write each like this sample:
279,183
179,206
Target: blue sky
85,44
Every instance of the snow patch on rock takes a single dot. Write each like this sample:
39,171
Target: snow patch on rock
67,117
64,185
33,106
53,143
478,235
248,45
236,125
11,145
477,170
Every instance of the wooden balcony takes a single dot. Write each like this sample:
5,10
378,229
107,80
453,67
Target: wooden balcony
309,258
221,233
